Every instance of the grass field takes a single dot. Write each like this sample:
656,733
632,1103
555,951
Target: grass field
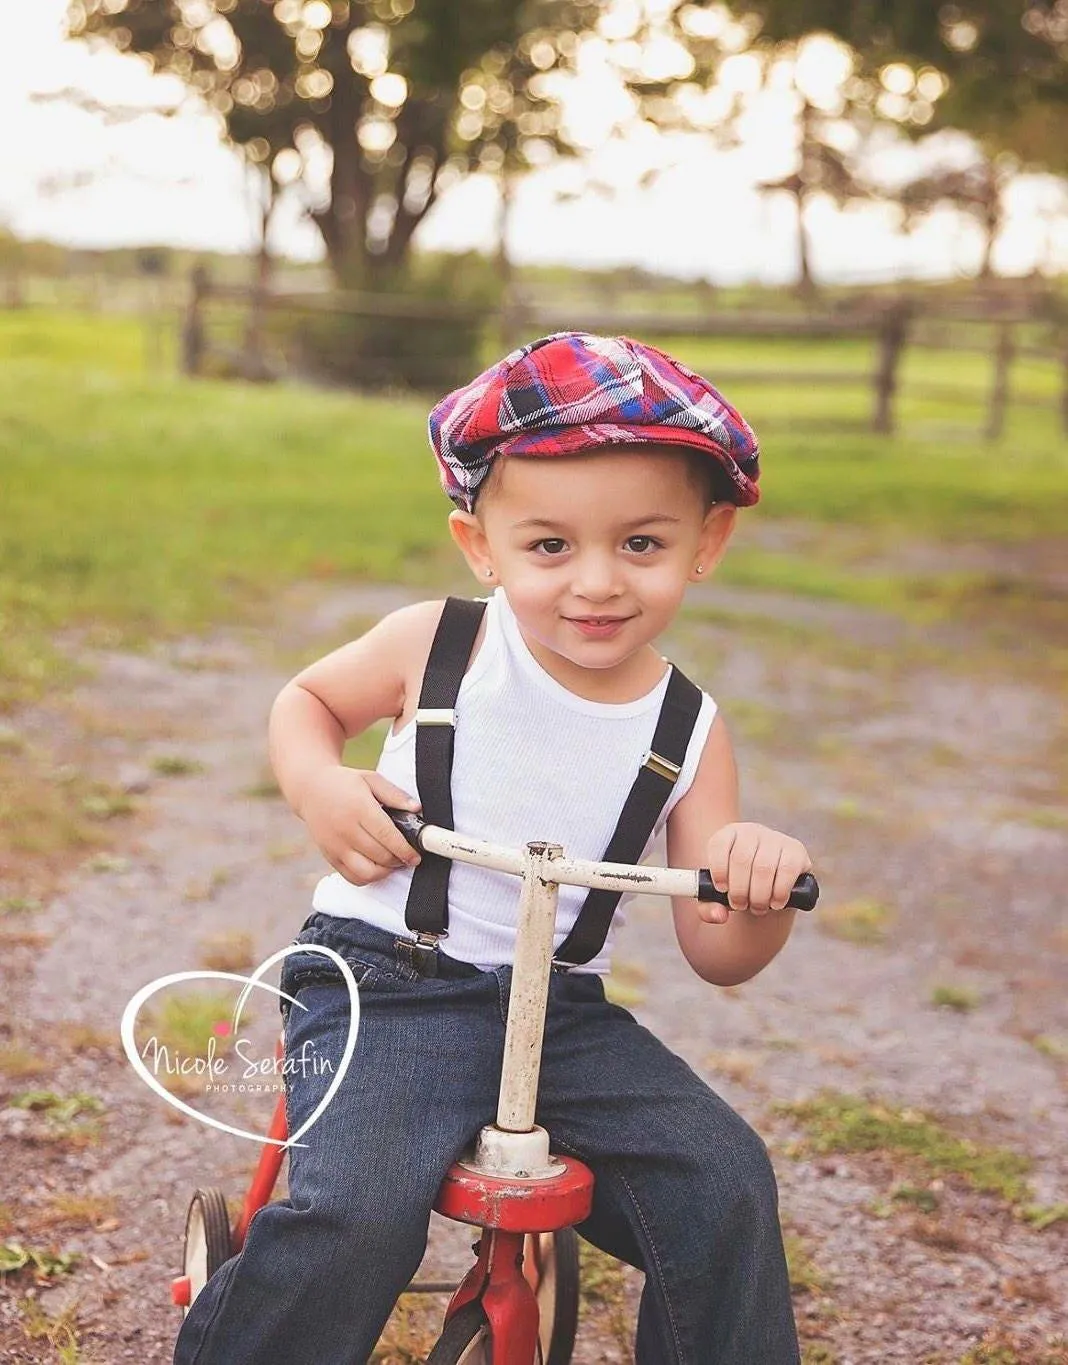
135,505
139,504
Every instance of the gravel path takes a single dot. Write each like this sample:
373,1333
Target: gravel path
933,799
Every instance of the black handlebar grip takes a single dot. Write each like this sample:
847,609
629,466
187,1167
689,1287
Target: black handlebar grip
409,822
803,897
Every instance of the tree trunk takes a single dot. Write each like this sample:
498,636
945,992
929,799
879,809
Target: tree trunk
343,222
991,223
504,218
990,218
806,283
404,226
423,129
511,308
255,360
805,181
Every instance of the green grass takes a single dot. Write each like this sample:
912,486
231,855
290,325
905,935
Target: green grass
961,999
138,506
1042,1216
626,985
916,1197
141,506
176,765
152,507
14,1256
185,1023
805,1276
102,343
846,1123
935,477
364,749
863,921
63,1108
61,1331
999,1347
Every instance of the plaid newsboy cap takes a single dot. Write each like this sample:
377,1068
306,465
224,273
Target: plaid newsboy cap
575,391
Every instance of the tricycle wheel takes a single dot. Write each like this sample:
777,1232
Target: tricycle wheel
207,1239
554,1256
465,1340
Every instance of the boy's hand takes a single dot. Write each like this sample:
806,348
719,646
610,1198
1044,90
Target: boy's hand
344,815
756,866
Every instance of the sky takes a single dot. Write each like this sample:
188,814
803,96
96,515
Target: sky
66,176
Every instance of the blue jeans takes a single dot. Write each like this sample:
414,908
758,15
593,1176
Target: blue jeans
684,1189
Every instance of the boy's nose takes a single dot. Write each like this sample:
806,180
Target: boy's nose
596,579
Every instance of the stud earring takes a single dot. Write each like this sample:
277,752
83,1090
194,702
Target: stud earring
489,573
700,568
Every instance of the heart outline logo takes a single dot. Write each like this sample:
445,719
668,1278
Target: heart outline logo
129,1019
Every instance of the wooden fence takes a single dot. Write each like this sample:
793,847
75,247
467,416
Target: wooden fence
894,325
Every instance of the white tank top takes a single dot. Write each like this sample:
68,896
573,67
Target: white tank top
531,761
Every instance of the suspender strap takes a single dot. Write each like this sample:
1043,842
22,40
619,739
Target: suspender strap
427,908
648,796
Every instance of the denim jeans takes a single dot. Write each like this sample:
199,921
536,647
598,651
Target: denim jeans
684,1189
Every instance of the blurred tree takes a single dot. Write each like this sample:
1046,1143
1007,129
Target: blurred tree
826,166
1037,136
263,192
1003,59
994,69
977,189
12,259
387,99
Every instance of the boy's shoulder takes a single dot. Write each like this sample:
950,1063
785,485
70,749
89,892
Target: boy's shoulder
411,631
414,617
414,624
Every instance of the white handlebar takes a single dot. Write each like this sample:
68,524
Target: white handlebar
693,883
651,881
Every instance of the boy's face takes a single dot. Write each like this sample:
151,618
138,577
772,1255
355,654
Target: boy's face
594,550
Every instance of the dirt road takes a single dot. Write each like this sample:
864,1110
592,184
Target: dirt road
931,988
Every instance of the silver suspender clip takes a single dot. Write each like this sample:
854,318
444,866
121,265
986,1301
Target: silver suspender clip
663,767
419,953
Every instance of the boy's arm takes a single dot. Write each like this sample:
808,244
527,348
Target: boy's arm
733,951
332,700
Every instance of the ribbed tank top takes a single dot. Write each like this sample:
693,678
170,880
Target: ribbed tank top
531,760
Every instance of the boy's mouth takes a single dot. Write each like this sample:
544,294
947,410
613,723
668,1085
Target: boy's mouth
598,625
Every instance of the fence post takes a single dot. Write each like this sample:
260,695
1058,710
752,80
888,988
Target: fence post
1064,389
193,323
512,319
999,392
891,343
14,293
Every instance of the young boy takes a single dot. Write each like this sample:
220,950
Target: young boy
593,478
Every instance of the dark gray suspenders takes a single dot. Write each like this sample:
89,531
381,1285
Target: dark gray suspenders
648,796
427,909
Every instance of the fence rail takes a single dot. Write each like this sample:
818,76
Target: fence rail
894,326
1016,326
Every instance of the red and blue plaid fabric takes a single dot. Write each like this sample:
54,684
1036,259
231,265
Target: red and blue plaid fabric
575,391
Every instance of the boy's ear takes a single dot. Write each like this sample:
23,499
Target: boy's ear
715,536
466,530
